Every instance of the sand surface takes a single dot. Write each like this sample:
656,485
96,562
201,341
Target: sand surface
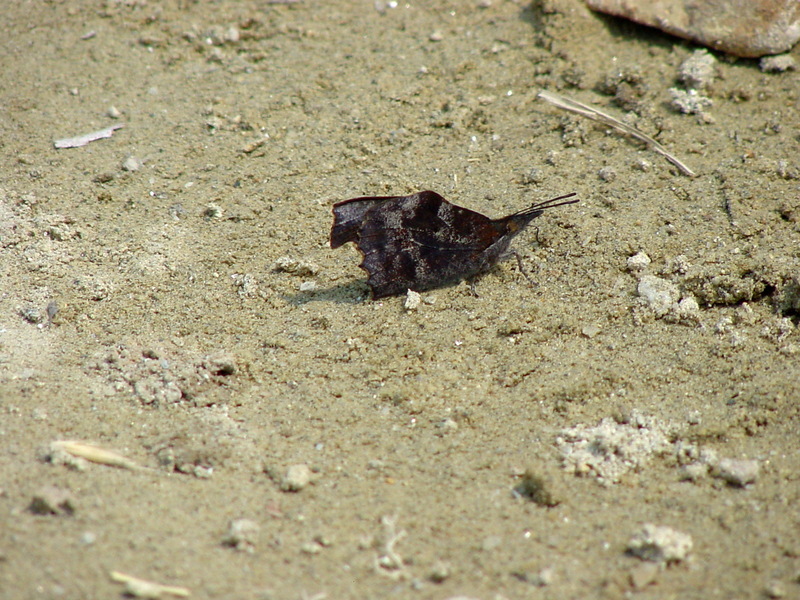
141,309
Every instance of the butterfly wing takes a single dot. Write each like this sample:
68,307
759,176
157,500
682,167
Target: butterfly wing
420,242
348,217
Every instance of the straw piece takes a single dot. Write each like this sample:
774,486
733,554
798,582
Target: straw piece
596,115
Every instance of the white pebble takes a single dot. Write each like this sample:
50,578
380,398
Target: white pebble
638,262
660,544
132,163
739,472
659,294
412,300
297,478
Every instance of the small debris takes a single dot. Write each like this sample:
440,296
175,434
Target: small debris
308,286
660,544
659,294
698,71
212,211
242,535
82,140
221,363
607,174
611,449
540,578
775,589
32,315
301,268
778,64
737,472
440,572
591,330
141,588
52,500
297,477
436,36
113,112
388,561
638,262
690,102
413,300
132,164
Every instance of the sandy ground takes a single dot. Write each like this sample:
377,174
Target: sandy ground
141,310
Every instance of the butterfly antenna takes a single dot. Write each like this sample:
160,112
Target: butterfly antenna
552,203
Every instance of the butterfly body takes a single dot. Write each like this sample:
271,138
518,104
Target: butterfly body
422,241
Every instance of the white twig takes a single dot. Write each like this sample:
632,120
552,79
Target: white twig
82,140
596,115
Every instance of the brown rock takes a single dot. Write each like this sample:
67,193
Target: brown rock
749,28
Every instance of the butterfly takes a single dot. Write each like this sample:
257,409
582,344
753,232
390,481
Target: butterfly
422,241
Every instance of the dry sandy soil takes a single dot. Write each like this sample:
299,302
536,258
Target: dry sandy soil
141,308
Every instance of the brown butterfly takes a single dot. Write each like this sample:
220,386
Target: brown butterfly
422,241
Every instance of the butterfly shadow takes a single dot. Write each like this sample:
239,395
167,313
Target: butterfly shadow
352,292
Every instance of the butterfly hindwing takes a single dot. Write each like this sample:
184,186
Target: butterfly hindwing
418,242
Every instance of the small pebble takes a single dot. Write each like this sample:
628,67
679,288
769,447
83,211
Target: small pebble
297,478
413,300
689,102
307,286
737,472
660,544
132,163
440,572
301,268
697,71
775,589
693,471
436,36
607,174
638,262
113,112
242,535
221,363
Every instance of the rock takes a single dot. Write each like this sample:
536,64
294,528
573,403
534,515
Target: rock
748,28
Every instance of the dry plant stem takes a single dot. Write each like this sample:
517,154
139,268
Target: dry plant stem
601,117
141,588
